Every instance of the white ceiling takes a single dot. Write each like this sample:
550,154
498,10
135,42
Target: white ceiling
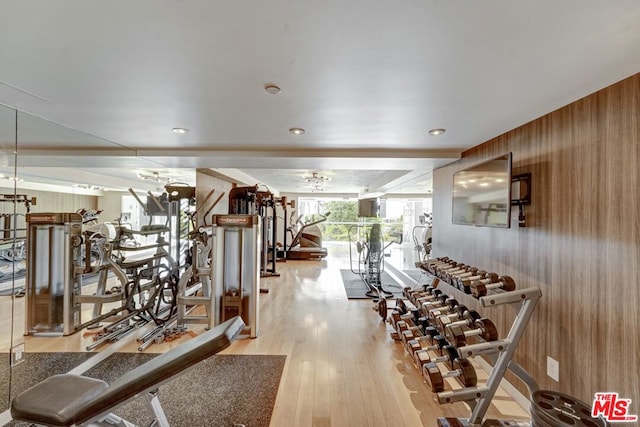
367,80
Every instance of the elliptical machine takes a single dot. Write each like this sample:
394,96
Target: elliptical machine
371,257
307,243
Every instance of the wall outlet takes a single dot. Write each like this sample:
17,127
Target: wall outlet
17,354
553,369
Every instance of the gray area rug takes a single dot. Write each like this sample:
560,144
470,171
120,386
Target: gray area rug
224,390
356,288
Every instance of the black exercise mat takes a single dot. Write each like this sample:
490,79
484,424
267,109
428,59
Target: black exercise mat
356,288
224,390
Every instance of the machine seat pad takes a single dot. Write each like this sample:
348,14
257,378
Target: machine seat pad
126,264
65,400
56,400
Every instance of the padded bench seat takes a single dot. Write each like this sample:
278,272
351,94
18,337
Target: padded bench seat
56,400
66,400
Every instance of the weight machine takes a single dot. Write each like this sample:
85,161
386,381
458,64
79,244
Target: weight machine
235,263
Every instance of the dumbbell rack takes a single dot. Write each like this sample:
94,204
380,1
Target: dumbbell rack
500,352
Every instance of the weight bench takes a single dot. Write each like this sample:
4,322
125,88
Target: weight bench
75,400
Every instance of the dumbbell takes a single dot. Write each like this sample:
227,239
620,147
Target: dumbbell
438,261
487,280
442,272
412,320
438,268
449,305
424,299
433,267
484,328
409,292
411,334
405,332
467,317
427,295
462,369
445,353
398,311
454,278
479,289
440,301
450,276
421,355
463,283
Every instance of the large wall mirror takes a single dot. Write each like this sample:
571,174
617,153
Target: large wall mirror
43,204
9,249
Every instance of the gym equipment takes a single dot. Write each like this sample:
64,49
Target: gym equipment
462,370
479,288
444,320
307,243
555,409
267,204
488,279
371,257
449,305
422,236
421,355
464,282
249,200
465,317
197,277
236,273
53,243
484,328
67,399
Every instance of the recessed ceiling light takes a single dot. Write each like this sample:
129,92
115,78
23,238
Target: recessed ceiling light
272,89
296,131
180,131
439,131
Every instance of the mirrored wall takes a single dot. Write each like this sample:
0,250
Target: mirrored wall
11,247
36,188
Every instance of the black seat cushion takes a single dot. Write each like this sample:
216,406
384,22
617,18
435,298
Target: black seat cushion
56,400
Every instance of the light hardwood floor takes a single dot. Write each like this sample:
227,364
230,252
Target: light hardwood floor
342,367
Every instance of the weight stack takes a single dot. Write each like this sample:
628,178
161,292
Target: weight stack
553,409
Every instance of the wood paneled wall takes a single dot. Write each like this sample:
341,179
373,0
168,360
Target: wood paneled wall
206,181
581,246
47,201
